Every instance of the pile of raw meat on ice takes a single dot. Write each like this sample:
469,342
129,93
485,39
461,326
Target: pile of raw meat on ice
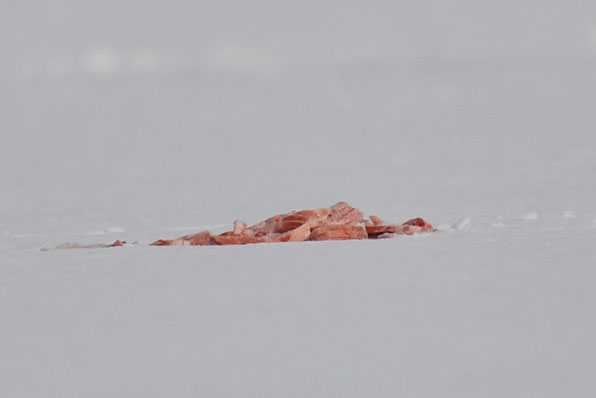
338,222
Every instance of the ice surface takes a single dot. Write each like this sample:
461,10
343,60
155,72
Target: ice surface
529,216
149,120
464,223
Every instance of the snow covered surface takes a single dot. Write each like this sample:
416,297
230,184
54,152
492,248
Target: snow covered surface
149,121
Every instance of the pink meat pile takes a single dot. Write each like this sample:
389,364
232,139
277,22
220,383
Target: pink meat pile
338,222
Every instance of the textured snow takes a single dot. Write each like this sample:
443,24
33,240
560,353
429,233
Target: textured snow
148,120
464,223
529,216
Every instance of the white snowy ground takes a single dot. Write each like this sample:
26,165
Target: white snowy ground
140,122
